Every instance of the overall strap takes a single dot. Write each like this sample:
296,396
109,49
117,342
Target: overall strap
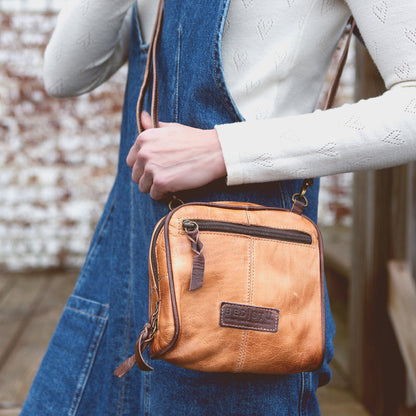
299,199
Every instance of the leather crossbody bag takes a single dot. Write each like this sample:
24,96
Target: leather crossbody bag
234,287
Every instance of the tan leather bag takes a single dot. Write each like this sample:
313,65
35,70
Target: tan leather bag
234,287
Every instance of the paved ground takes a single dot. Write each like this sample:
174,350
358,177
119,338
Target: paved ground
30,306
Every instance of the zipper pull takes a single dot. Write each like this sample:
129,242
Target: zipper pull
198,263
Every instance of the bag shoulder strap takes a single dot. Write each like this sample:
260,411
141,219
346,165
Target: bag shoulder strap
341,64
151,69
299,199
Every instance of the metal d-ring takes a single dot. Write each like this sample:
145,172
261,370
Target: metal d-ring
298,195
175,202
305,185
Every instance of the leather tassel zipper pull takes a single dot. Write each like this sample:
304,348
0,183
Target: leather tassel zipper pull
198,262
144,339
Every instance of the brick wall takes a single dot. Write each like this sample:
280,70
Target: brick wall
58,157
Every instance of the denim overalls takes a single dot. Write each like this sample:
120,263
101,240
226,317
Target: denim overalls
103,317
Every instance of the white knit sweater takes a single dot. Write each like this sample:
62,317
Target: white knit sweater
275,57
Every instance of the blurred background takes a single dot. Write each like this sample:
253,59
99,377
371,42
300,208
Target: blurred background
58,157
57,164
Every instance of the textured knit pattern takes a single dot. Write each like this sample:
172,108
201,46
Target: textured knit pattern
275,57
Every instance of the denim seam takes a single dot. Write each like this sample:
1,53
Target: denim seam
88,364
178,58
304,396
130,294
90,301
282,195
88,314
146,393
302,386
127,316
93,251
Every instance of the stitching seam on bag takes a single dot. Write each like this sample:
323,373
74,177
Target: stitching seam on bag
253,271
242,355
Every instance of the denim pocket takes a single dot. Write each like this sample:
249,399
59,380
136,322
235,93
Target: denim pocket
62,377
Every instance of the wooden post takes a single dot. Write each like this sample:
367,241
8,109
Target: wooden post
376,368
411,217
402,312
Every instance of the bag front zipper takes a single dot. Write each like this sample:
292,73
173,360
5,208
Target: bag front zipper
282,234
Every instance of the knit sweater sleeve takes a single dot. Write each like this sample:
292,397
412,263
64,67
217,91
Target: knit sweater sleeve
370,134
90,43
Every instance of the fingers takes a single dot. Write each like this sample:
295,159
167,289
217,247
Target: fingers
137,171
156,194
174,158
145,182
146,120
134,151
147,124
132,156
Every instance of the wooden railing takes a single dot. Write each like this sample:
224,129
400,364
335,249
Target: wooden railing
384,229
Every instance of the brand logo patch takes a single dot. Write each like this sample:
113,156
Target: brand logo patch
236,315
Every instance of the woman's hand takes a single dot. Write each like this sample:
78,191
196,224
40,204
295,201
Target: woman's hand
174,158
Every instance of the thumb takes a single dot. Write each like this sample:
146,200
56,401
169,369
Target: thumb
146,120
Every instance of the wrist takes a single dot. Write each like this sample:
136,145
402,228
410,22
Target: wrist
217,163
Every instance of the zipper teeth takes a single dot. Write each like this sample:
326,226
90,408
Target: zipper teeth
294,236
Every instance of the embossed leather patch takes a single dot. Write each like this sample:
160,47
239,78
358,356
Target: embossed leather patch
236,315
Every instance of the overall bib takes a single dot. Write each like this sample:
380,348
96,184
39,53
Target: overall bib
103,317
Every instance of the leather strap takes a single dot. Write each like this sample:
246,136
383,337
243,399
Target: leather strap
341,64
151,63
146,336
299,205
144,339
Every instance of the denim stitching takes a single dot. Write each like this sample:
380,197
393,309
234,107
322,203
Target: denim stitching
127,316
93,251
146,393
89,361
178,58
282,195
130,294
86,313
90,301
301,394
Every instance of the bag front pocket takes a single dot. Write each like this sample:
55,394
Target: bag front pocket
60,382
